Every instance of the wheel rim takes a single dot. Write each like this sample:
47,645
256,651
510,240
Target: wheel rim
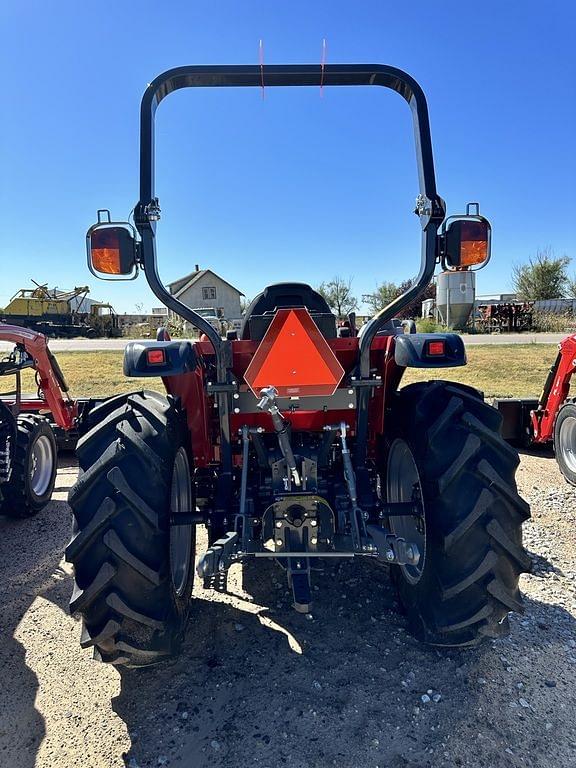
41,465
403,484
567,442
180,535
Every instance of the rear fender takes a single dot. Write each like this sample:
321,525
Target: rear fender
420,350
159,358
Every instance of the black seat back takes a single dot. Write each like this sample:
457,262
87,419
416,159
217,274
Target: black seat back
262,309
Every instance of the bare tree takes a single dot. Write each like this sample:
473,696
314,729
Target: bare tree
244,304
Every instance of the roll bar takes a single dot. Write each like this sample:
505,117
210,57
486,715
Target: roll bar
430,207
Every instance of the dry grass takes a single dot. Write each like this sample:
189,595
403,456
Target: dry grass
511,370
515,370
95,374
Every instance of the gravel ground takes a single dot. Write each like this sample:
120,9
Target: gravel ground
258,684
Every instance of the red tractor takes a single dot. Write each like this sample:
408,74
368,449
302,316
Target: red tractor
289,442
552,418
28,452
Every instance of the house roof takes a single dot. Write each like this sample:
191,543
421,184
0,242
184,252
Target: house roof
175,285
178,287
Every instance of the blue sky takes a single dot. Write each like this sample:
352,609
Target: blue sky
292,186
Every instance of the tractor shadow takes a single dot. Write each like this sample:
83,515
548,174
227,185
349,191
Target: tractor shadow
260,684
66,460
30,553
541,451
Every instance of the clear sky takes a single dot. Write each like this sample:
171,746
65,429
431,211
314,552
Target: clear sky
293,186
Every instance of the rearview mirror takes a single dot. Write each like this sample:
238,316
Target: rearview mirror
111,248
466,241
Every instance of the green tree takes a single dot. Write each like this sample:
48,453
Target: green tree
571,287
339,296
382,296
543,277
413,310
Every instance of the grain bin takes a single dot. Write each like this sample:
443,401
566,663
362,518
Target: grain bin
455,297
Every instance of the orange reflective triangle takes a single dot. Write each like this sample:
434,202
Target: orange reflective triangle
294,357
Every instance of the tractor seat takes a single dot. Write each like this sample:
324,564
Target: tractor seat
262,309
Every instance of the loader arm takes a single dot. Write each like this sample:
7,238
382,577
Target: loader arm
51,382
555,391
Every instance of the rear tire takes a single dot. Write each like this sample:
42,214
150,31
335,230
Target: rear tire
471,540
133,569
33,468
565,441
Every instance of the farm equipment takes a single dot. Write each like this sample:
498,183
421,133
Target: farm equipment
552,418
290,443
103,321
57,313
28,451
508,317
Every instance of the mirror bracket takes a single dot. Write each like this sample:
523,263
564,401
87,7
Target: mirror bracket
100,213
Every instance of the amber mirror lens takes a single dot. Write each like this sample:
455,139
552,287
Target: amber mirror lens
467,243
473,243
112,251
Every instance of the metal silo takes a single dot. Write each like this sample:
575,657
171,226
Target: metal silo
455,297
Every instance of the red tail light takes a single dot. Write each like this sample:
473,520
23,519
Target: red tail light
155,357
436,348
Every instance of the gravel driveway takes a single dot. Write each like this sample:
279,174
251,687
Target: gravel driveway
258,684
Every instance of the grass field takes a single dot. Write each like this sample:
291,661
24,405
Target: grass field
515,370
511,370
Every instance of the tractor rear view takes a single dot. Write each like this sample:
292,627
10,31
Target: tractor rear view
289,442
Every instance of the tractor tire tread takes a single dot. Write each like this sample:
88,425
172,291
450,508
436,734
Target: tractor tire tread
115,602
475,556
521,507
505,596
117,546
83,538
479,509
120,484
123,587
83,597
490,436
518,553
88,640
485,567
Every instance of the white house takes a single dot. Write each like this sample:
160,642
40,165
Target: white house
204,289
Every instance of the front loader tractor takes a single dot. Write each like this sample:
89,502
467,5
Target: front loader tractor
28,444
290,441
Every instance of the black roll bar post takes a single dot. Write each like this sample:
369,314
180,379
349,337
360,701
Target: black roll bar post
430,207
